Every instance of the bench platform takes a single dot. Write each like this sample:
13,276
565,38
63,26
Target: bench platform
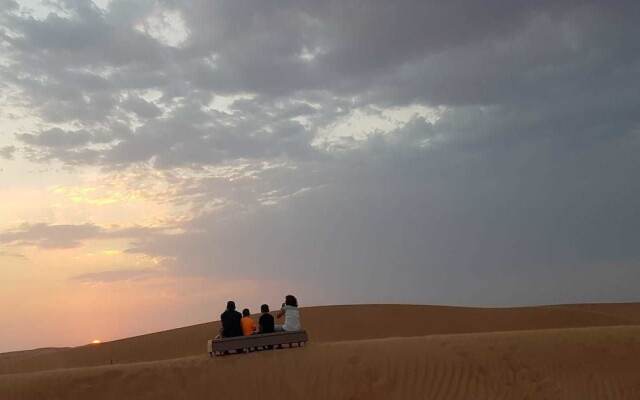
262,340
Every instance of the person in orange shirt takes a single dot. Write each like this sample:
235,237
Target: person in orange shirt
248,326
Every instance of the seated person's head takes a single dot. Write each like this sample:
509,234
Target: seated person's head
245,312
231,306
264,308
291,300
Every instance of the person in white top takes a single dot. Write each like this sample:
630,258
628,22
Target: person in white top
291,315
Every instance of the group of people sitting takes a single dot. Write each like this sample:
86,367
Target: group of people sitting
236,324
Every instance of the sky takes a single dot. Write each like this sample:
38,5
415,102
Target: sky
159,157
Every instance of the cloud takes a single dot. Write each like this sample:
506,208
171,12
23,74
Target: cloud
115,275
7,152
432,224
56,137
12,255
141,107
66,236
521,178
515,57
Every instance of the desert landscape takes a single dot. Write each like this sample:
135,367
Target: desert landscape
449,187
589,351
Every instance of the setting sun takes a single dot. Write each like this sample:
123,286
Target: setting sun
96,341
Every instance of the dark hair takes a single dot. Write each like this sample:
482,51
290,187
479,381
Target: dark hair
245,312
264,308
291,300
231,305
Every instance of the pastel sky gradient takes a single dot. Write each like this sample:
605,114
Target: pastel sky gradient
158,157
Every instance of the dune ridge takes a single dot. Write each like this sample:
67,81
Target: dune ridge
563,352
336,323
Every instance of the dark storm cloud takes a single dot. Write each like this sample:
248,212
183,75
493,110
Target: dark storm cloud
86,66
192,134
442,224
525,181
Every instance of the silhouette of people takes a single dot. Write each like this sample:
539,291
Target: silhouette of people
266,322
230,320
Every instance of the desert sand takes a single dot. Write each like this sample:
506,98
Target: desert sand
589,351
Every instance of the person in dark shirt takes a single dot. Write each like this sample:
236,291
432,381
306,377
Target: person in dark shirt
230,320
266,321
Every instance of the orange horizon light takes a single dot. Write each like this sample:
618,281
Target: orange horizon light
96,341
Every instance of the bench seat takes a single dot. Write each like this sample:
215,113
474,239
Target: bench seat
219,346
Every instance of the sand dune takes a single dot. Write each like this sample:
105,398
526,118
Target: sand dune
572,352
337,323
30,353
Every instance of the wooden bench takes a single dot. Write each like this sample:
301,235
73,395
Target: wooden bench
258,341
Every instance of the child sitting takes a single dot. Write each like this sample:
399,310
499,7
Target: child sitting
266,321
248,326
